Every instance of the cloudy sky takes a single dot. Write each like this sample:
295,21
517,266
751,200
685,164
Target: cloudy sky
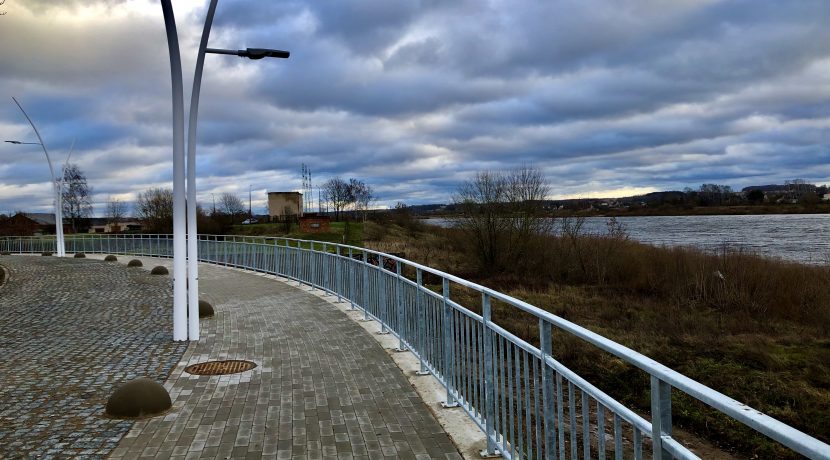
607,97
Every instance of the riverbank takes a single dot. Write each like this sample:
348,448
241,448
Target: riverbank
743,210
753,328
668,210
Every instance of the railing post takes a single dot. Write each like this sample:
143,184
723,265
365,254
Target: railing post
337,276
449,364
660,416
422,321
365,286
313,264
383,307
399,308
350,280
548,392
489,379
324,262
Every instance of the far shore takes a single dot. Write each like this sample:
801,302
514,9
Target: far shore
678,211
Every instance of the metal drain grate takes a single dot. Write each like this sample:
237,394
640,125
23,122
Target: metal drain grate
230,366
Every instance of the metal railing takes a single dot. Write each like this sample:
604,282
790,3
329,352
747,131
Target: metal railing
528,404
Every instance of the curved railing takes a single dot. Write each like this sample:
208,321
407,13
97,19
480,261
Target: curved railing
527,402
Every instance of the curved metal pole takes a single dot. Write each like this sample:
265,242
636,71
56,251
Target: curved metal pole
56,187
179,240
59,194
192,231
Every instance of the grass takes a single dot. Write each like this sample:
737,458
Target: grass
752,328
350,233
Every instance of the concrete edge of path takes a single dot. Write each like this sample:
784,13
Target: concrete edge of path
466,435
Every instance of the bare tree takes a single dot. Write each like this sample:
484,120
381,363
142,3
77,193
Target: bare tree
155,208
116,210
363,196
231,205
500,214
339,194
76,195
481,205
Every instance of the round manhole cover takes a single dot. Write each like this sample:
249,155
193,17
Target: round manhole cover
230,366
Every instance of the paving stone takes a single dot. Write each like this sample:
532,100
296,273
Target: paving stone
323,387
71,331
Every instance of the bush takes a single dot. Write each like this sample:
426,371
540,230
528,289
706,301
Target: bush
159,270
135,263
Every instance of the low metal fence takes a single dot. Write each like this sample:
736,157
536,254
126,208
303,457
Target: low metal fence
526,401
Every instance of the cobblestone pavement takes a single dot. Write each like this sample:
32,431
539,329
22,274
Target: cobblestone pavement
323,387
70,331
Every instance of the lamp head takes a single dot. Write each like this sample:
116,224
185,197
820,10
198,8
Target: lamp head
259,53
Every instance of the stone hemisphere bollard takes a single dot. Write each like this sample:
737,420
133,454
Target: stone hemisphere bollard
159,270
79,255
135,263
46,253
205,309
138,398
5,253
110,258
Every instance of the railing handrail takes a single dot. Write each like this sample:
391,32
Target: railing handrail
758,421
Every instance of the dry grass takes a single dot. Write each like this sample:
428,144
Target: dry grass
753,328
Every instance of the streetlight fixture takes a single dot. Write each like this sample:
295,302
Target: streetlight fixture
187,295
252,53
57,184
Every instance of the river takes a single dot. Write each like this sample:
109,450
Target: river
801,238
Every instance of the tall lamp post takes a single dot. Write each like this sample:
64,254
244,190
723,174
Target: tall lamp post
57,183
189,292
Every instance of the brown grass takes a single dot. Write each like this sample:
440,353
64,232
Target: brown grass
753,328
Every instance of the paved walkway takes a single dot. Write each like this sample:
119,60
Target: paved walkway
70,331
323,387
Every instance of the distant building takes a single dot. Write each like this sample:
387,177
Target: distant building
282,205
30,223
129,226
315,224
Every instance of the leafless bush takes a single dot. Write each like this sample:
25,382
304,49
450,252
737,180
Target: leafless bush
501,214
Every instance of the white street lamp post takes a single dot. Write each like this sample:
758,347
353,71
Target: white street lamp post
192,287
57,183
179,246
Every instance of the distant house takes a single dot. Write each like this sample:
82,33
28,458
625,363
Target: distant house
115,227
30,224
825,197
315,224
282,205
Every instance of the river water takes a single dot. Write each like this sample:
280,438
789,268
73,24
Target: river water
801,238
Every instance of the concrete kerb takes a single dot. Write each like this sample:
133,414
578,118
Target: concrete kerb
466,435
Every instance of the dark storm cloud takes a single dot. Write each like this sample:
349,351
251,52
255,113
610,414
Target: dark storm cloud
415,96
